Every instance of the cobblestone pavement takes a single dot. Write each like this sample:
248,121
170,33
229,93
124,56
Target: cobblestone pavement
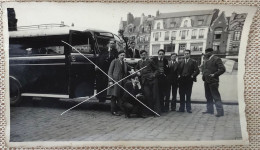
93,122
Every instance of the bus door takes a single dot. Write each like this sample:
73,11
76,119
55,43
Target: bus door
39,65
82,71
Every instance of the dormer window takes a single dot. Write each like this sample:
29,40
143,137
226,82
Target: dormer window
200,22
172,24
158,25
185,23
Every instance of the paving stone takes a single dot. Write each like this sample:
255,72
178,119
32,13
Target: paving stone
46,124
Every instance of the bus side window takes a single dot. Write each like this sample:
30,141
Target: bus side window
17,50
52,50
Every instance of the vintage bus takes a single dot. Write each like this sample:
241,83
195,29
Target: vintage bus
41,65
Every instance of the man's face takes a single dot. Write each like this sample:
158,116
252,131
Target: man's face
132,45
135,80
208,54
187,54
143,55
161,54
121,56
111,44
173,57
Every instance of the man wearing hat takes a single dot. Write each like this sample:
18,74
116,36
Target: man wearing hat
212,68
118,69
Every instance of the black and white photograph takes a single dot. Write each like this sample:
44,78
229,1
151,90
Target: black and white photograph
104,74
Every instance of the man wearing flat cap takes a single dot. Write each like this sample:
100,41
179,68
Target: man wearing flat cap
212,68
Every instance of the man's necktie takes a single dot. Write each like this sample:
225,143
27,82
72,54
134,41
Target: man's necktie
123,68
135,89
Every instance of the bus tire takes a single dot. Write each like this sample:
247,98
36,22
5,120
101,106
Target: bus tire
15,92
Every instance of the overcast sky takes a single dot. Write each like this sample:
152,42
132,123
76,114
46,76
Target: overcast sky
98,15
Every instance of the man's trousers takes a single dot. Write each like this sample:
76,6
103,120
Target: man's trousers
212,93
185,90
151,95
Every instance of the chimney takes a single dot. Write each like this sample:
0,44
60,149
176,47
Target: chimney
142,19
157,13
12,21
130,18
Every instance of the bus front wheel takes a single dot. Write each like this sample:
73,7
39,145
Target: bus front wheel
15,92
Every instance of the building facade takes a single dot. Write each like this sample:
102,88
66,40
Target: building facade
236,23
175,32
218,35
138,29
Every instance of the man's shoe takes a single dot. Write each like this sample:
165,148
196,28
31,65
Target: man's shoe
116,114
141,116
180,110
127,116
207,112
189,111
219,115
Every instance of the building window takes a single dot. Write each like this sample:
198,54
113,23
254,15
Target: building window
155,48
185,23
194,34
237,35
217,33
138,39
172,24
146,38
182,47
201,33
169,47
216,46
183,34
158,25
217,36
196,47
141,39
235,47
200,22
173,36
157,36
166,38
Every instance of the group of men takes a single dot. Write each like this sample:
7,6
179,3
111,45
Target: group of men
148,92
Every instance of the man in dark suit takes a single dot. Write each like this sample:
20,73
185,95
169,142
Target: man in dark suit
163,69
130,104
149,81
173,80
212,68
132,52
103,62
188,70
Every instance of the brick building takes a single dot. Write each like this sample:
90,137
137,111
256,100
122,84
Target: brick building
138,29
236,23
218,34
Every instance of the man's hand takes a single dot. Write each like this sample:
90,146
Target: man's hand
138,73
212,75
138,95
110,83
